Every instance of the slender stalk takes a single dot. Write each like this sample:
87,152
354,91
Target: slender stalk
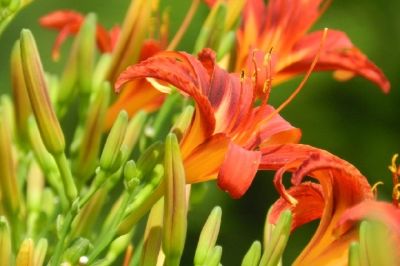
66,176
185,24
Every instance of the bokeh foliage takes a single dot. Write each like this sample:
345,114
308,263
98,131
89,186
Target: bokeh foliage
353,120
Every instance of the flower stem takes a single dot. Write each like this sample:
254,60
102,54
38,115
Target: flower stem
66,176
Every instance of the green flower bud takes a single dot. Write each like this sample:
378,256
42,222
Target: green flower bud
153,235
5,242
252,256
214,257
354,254
274,249
149,159
208,236
111,155
175,221
89,146
78,71
22,108
80,247
151,247
40,252
35,186
130,174
49,126
376,244
183,122
212,29
133,131
8,109
8,177
26,253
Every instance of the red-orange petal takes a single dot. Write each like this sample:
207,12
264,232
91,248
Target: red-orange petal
338,54
310,204
238,170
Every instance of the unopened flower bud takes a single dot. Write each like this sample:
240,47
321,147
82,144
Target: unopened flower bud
253,255
49,126
131,174
354,254
26,253
111,155
175,221
22,107
183,122
40,252
8,110
8,177
5,242
208,236
133,131
214,257
80,247
212,29
88,153
149,159
274,248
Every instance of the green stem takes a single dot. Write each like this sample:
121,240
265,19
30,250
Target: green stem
66,176
108,234
141,205
59,250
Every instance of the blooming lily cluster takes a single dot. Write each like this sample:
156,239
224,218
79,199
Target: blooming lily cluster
151,122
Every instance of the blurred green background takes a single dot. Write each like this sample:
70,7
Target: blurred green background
353,120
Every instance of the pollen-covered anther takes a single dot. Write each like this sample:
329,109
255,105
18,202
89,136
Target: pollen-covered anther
374,188
396,195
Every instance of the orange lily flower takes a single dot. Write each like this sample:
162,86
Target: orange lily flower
227,128
68,22
127,45
342,197
280,27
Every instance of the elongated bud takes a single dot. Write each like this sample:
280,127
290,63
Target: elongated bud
117,247
111,155
149,159
134,130
78,72
8,177
212,29
86,52
40,252
274,249
214,257
35,186
377,246
7,105
79,248
22,107
208,236
253,255
87,157
26,253
153,235
151,247
183,122
49,126
131,174
5,242
133,34
175,223
165,115
354,254
83,224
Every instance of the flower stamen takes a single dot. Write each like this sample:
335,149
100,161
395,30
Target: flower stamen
303,82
